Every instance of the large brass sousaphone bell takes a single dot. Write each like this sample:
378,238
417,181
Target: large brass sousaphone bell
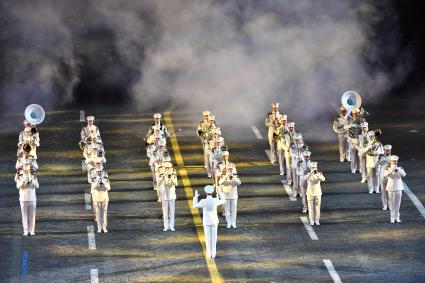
350,100
34,114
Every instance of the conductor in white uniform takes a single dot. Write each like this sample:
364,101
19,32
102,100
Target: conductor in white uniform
210,218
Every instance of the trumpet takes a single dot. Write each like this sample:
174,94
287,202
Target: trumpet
27,147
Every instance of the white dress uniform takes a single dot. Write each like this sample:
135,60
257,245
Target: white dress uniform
216,157
279,136
352,124
373,150
339,128
383,163
27,184
302,172
289,140
99,191
228,184
394,188
209,218
26,160
89,130
271,123
167,183
297,157
158,125
362,138
314,193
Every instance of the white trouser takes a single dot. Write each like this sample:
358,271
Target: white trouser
153,177
295,181
210,239
230,208
344,152
372,179
394,200
354,155
273,145
288,166
204,147
282,160
28,209
168,210
303,190
384,192
362,162
101,214
314,208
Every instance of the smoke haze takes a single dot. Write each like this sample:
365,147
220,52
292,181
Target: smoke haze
233,57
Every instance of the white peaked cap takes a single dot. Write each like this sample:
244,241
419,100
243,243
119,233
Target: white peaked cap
313,164
388,146
275,104
306,153
291,124
220,139
157,116
90,118
283,116
212,117
364,124
298,136
209,189
393,158
226,153
206,113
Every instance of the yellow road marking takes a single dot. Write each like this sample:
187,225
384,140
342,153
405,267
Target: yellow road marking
212,267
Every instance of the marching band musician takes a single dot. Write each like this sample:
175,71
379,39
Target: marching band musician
89,130
289,140
22,133
211,145
383,162
159,162
363,142
271,123
158,125
27,183
209,217
225,165
279,136
167,182
216,156
156,155
204,132
394,187
99,191
296,150
228,184
353,127
30,142
302,171
339,128
25,158
371,151
314,193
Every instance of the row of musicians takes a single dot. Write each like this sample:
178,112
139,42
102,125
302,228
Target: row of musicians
97,176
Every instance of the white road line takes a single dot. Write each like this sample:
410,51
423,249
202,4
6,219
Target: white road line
87,200
83,166
94,275
289,191
90,234
415,200
82,116
257,132
332,271
309,229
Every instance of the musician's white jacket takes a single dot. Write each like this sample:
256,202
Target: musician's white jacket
21,161
100,192
167,186
394,182
88,131
27,189
229,187
313,184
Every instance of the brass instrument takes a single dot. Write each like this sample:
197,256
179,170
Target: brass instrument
27,147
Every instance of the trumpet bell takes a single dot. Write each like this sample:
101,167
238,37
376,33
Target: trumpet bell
34,114
350,100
